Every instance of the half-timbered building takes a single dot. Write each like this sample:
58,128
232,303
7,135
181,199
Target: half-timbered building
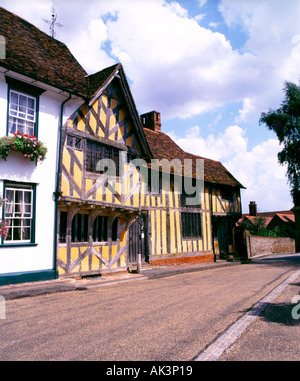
106,219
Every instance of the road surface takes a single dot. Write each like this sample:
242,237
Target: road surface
170,319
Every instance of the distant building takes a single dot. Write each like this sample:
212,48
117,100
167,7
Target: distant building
272,220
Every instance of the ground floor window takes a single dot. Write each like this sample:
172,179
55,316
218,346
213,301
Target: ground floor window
79,231
191,225
100,229
114,229
19,212
79,228
63,218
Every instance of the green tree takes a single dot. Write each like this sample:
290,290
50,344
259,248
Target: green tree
285,122
257,226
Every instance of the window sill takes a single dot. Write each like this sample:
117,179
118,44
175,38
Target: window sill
18,244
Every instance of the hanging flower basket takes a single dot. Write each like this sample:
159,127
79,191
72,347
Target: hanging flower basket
28,145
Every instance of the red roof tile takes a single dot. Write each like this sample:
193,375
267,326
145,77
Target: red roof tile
31,52
163,147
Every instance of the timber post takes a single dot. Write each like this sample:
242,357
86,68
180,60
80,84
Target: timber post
139,263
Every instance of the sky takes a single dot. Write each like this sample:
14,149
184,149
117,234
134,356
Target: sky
210,67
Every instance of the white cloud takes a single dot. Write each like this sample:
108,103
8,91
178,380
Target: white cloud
183,69
257,168
200,16
33,11
201,2
272,30
90,40
175,65
177,8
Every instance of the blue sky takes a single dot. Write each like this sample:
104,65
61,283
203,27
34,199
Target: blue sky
210,67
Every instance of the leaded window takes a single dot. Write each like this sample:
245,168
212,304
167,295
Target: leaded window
101,159
100,229
79,232
191,225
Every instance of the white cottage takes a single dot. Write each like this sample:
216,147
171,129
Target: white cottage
38,91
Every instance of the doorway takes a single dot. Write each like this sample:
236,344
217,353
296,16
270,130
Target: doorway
136,234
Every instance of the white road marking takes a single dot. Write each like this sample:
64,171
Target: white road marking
217,348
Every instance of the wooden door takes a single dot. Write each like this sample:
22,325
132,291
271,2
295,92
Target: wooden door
136,240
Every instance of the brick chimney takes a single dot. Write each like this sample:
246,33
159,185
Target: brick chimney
252,208
151,120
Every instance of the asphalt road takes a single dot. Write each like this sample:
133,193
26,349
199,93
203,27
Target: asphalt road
167,319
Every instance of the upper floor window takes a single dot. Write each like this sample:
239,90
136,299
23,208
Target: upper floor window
227,194
190,200
74,142
155,182
22,113
95,153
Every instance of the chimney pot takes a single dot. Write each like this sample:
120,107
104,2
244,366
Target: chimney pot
151,120
252,208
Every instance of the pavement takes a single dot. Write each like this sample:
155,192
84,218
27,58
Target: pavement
64,284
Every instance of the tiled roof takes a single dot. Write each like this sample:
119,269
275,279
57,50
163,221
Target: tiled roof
163,147
32,52
288,213
286,217
97,80
253,219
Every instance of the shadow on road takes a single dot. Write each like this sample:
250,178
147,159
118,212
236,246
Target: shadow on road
281,313
278,260
287,314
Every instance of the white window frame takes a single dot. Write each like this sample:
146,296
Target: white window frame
20,213
28,120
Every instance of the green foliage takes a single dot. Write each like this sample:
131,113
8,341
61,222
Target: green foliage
5,147
285,122
258,227
287,230
27,145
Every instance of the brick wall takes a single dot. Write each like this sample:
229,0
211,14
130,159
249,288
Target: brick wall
181,260
270,245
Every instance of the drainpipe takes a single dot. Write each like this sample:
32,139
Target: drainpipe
211,223
57,192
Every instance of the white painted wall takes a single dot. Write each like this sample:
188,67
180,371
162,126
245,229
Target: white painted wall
17,168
